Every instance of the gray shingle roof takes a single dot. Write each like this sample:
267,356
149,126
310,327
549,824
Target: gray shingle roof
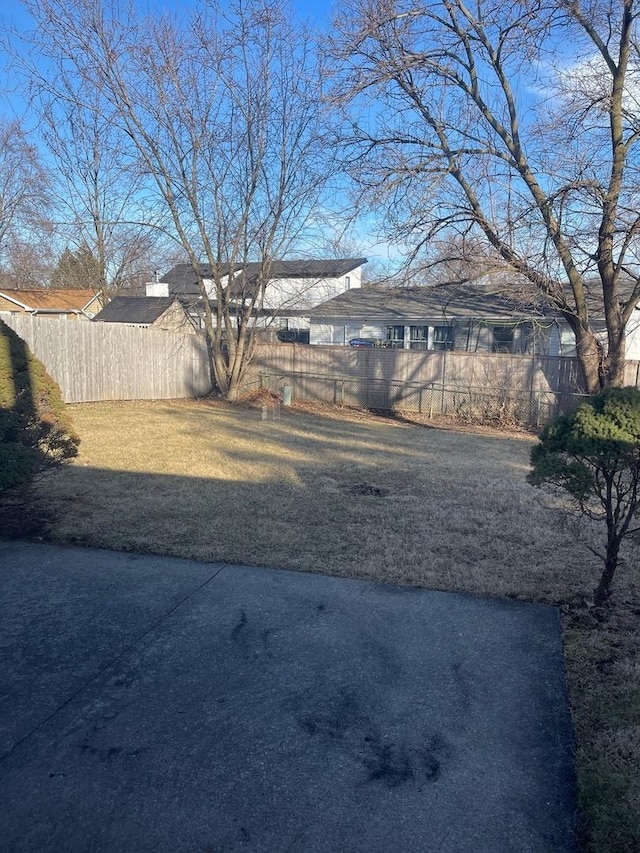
134,309
422,303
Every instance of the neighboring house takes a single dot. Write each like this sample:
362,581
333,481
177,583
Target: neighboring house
59,304
158,312
468,317
463,317
633,337
294,287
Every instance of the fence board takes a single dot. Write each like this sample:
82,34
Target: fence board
105,361
478,387
421,368
109,361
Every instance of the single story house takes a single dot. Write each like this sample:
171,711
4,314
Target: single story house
59,304
158,312
294,287
434,318
469,317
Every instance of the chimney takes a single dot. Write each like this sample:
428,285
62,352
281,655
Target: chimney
157,288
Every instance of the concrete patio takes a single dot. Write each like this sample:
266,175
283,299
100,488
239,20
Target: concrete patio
158,704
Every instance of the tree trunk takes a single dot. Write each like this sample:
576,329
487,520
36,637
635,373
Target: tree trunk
226,375
602,592
590,357
616,362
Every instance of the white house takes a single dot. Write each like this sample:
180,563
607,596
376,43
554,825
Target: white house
465,317
295,285
433,318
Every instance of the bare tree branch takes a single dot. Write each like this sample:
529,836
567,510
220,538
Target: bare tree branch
474,113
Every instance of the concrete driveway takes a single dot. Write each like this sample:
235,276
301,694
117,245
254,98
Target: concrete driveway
159,704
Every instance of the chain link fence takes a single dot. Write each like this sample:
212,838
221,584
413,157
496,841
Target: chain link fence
466,404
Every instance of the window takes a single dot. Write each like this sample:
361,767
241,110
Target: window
347,282
418,337
502,339
443,337
395,337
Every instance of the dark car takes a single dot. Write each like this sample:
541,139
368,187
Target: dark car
287,336
363,342
293,336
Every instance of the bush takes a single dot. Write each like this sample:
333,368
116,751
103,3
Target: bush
593,453
35,431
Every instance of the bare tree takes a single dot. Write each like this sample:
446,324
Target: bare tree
99,189
515,122
221,112
28,260
24,202
95,182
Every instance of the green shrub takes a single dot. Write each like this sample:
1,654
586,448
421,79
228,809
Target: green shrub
593,453
35,430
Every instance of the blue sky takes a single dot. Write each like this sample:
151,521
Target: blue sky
319,11
12,105
14,19
13,16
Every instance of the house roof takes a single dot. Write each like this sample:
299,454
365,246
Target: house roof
445,303
594,297
135,309
183,279
49,300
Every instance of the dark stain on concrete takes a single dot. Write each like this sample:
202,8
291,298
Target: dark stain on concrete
389,763
240,625
341,723
335,717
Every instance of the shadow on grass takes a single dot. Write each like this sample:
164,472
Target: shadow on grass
290,525
346,434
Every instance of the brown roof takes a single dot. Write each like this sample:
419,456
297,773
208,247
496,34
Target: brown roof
51,300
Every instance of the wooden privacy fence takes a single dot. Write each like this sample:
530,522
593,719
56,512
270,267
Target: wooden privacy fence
109,361
473,387
445,367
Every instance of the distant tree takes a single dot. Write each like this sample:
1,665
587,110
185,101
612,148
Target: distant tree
221,114
96,184
24,201
593,454
98,188
512,123
28,260
78,270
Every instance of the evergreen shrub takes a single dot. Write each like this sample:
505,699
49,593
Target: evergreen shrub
35,430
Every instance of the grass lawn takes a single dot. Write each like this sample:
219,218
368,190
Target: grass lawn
356,495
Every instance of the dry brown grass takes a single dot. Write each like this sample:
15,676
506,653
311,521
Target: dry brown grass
371,497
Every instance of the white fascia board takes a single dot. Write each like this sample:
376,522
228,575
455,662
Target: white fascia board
92,300
15,301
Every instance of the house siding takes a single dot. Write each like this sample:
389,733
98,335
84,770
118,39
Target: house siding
303,294
633,337
7,305
298,293
174,319
479,337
